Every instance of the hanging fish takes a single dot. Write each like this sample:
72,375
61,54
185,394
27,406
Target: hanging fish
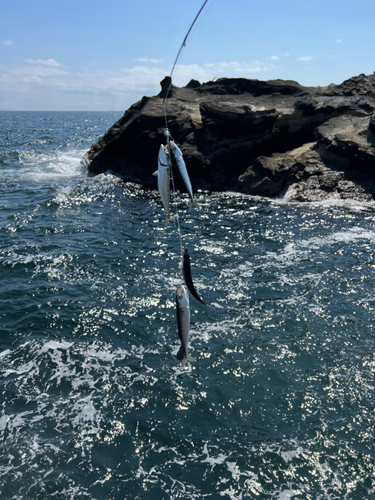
163,175
188,279
177,159
183,323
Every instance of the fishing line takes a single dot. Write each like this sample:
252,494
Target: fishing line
179,54
166,132
201,18
168,136
177,218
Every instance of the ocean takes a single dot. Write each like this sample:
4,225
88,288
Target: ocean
94,405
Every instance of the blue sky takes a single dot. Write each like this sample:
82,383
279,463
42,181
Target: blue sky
95,55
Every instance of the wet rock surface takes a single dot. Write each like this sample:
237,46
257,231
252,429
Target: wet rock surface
275,138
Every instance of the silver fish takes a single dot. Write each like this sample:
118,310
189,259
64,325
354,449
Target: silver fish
179,160
183,323
163,174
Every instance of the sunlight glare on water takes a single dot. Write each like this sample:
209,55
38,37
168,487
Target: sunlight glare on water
94,405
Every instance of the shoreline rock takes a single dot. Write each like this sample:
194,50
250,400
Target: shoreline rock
274,138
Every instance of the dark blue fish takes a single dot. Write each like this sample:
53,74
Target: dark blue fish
188,279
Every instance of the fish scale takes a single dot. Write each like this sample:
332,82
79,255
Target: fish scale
183,323
178,160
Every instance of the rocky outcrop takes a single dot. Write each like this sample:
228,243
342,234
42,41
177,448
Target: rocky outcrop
274,138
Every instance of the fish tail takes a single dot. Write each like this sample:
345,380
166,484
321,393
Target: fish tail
170,218
181,355
186,359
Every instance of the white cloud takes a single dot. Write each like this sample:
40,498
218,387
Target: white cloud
43,62
274,58
305,58
139,79
28,79
35,79
338,40
244,66
7,42
146,59
46,71
116,89
229,69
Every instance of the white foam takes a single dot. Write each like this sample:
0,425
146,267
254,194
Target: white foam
231,493
45,262
234,470
56,166
220,459
287,494
85,411
5,353
348,236
104,353
63,195
333,202
288,456
4,419
26,368
299,250
55,345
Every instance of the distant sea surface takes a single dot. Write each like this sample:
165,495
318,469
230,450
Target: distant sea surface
93,403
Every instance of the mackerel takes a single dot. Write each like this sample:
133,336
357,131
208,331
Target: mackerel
163,175
177,159
188,279
183,323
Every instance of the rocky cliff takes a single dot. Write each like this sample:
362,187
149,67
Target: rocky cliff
269,138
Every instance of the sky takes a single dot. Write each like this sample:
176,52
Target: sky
100,56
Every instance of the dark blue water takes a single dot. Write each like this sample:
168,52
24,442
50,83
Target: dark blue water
94,405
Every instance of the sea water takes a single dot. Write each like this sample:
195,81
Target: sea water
94,405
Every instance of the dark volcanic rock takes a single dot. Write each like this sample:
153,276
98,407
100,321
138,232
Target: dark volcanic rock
274,138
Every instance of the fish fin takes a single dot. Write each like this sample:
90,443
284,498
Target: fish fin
155,173
181,353
170,218
186,359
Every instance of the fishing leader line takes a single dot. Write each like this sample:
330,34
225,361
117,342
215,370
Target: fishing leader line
170,157
166,131
179,54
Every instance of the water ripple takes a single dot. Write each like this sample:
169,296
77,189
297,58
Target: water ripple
93,402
